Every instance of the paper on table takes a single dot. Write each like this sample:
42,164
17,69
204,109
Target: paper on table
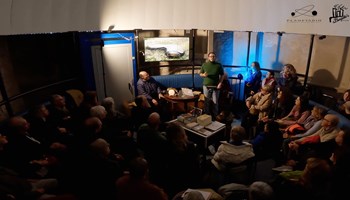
187,92
204,132
213,126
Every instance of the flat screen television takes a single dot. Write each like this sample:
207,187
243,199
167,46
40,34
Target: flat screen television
158,49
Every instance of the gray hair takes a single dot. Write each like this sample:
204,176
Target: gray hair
260,190
98,111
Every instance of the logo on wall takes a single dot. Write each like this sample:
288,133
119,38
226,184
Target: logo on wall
338,14
306,14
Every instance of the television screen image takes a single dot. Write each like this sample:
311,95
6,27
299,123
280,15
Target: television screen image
167,49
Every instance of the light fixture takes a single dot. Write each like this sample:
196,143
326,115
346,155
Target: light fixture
110,28
280,33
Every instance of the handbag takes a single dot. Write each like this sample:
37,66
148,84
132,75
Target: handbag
295,129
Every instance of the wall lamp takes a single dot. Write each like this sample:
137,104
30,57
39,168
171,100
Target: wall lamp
110,28
321,37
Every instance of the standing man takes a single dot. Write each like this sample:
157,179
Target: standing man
213,75
146,85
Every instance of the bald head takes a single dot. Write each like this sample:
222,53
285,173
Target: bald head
154,120
331,120
144,75
18,125
93,123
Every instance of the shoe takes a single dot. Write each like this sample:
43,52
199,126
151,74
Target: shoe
283,168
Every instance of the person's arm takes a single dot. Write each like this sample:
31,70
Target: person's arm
318,132
303,117
222,78
202,73
311,131
265,105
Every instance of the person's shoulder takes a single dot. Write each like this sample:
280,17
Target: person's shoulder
139,81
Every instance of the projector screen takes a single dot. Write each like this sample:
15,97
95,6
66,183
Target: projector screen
159,49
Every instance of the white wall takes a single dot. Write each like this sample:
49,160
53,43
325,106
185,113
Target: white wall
42,16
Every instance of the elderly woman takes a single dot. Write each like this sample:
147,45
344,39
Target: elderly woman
241,150
289,78
259,106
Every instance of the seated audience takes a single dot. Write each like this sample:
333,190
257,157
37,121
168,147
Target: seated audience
269,80
344,104
233,161
317,114
182,160
289,79
236,146
23,153
320,144
152,143
115,120
135,184
83,111
298,114
149,87
14,186
341,164
60,115
101,169
268,142
282,104
45,131
140,112
259,106
260,190
313,182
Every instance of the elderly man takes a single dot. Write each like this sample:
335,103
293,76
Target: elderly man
148,86
321,144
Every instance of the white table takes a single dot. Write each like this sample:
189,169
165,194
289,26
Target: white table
206,135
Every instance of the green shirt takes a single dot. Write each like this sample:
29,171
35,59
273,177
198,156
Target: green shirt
214,70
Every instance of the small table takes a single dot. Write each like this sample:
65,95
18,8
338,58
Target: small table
183,99
206,136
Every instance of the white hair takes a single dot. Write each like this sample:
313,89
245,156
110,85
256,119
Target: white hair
260,190
98,111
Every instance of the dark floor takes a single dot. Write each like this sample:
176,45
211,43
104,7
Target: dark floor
263,168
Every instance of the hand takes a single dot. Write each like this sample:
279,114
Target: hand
119,157
293,145
155,102
205,74
219,86
278,121
62,130
265,119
